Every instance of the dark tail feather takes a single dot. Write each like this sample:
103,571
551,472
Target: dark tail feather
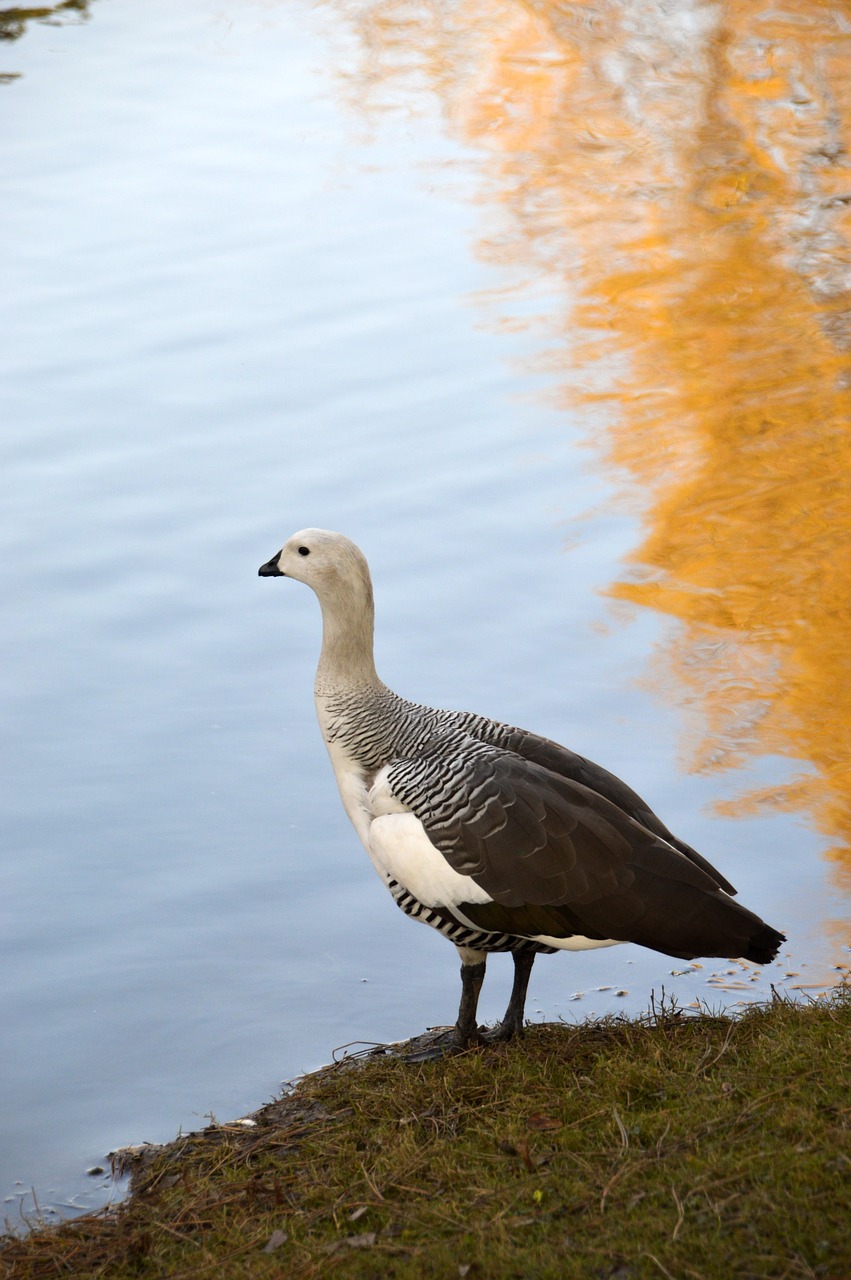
764,944
695,923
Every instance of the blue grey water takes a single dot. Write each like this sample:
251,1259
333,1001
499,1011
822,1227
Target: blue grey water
232,308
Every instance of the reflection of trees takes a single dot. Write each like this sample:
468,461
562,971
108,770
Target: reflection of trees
13,22
683,170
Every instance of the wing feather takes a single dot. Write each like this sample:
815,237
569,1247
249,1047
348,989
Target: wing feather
568,764
558,858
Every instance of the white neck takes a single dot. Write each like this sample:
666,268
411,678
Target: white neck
346,661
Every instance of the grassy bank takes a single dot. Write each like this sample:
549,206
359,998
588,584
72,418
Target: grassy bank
672,1145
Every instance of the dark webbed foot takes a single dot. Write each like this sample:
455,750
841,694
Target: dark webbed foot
468,1040
507,1030
434,1045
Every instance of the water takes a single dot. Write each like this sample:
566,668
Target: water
271,265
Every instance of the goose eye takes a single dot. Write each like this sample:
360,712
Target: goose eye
304,551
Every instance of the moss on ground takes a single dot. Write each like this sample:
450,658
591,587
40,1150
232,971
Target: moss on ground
692,1147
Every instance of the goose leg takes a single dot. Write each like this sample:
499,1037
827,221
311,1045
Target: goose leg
466,1028
512,1023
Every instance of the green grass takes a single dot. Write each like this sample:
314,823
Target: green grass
672,1145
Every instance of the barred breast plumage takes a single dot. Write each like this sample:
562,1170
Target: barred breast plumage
498,838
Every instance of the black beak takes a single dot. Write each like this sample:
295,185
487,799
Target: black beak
270,568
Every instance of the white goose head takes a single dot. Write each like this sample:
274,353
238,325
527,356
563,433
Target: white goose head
328,562
337,571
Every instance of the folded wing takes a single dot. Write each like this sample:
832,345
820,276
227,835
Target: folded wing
559,858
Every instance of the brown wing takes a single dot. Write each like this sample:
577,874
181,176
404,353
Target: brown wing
567,764
558,858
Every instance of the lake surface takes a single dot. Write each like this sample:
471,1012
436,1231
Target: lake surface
547,309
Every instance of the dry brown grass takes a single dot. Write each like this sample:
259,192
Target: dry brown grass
683,1146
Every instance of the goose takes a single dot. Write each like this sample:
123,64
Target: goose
499,839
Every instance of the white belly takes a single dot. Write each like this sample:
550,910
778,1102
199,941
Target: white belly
400,849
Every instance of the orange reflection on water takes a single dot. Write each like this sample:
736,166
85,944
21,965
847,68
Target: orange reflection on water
747,538
681,172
